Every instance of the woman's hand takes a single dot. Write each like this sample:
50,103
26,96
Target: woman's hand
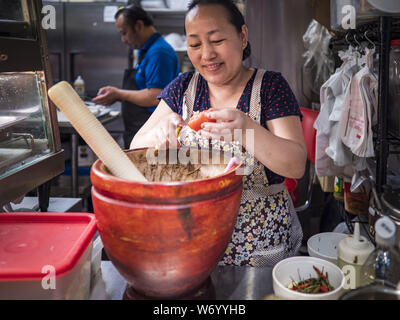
106,96
165,133
281,148
230,125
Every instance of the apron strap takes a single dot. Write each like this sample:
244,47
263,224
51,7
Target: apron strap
257,180
255,99
189,98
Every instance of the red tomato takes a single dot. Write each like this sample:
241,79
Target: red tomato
198,118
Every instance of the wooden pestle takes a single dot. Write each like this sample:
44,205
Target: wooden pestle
93,132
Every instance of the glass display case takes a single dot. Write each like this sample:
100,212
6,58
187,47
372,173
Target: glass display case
30,148
25,133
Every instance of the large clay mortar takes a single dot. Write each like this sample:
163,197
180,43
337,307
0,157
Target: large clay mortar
165,238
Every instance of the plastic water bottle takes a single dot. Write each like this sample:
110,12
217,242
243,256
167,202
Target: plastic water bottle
383,264
79,86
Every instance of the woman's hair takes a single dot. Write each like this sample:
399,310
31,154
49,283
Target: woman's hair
134,13
235,16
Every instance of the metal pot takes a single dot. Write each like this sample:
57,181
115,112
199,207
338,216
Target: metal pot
372,292
386,205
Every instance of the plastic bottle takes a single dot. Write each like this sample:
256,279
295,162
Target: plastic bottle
383,264
79,86
394,87
353,251
338,189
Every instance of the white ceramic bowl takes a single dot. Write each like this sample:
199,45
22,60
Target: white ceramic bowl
303,266
324,245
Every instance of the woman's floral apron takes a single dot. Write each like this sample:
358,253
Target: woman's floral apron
267,228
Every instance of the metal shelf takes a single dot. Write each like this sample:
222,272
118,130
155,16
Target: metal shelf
379,33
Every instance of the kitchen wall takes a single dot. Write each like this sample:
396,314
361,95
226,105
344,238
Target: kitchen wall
276,29
87,43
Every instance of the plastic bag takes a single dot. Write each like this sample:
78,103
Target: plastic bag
358,114
331,156
319,64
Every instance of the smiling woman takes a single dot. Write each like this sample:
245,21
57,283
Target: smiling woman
253,102
218,50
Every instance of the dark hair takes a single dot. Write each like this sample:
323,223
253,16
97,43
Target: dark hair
235,17
133,13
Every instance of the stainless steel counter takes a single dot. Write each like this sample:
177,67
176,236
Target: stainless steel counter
231,283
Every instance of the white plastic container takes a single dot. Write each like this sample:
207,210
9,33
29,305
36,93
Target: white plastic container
324,245
46,256
352,253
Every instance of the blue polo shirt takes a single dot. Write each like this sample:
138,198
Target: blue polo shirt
159,66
